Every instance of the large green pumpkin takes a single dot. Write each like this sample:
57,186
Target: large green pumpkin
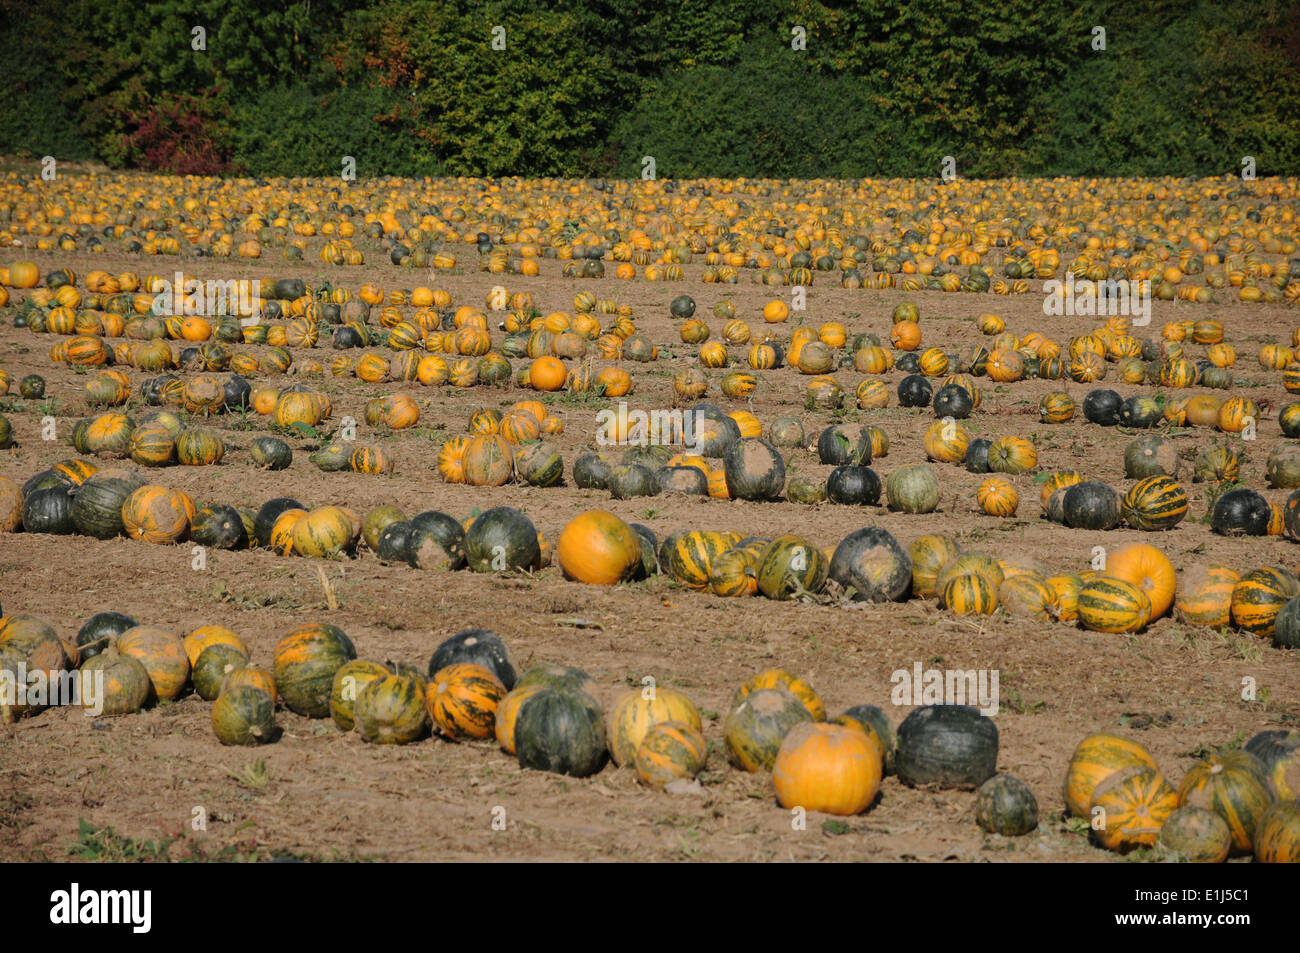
97,504
788,565
561,731
1149,456
754,730
501,540
948,746
1091,505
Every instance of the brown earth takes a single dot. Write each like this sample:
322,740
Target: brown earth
324,794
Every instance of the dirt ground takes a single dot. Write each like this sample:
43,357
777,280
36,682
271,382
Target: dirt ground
321,794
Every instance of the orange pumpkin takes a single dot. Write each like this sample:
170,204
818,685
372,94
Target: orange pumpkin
1150,570
829,768
597,547
163,657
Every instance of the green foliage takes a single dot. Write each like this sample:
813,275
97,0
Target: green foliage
589,87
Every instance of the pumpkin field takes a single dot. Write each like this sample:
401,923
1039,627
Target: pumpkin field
601,519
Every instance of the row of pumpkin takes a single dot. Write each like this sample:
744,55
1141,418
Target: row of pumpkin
1138,586
1231,803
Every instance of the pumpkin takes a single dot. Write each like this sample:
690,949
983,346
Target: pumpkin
756,727
914,390
785,432
1109,604
875,723
156,514
1129,807
1005,805
790,565
840,445
1150,570
433,541
243,715
853,485
953,400
560,731
1150,456
220,527
670,750
997,497
462,699
539,464
1234,785
1102,407
348,682
305,663
969,594
913,489
1096,758
501,540
254,677
1065,592
779,678
1277,835
1028,596
629,480
163,657
97,504
1012,455
591,471
636,711
946,442
871,565
488,461
947,746
214,664
477,647
270,453
1056,408
1195,835
126,684
1155,503
324,531
734,573
49,510
1216,464
390,710
1258,597
1240,512
828,768
1204,595
928,555
1091,505
100,633
507,714
755,470
688,557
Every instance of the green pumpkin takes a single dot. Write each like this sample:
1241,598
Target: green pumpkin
561,731
913,489
100,632
97,504
244,715
213,665
220,527
1005,805
789,565
501,540
271,453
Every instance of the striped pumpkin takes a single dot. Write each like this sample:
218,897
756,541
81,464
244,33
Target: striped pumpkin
970,593
930,553
1277,836
997,497
1205,595
1155,503
637,711
779,678
1066,588
463,700
1029,597
1258,597
669,751
390,710
1095,759
1129,807
1056,408
1234,785
754,730
690,556
1108,604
